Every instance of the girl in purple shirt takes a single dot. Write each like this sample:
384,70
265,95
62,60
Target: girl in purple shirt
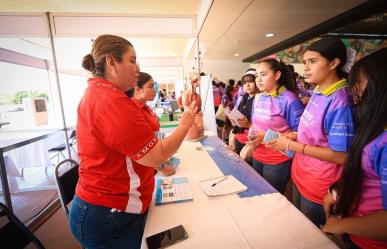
362,188
279,109
325,130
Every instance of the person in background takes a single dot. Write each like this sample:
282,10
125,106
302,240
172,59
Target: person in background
231,83
180,101
361,205
305,90
217,93
114,142
244,105
226,102
240,91
162,96
325,131
143,92
279,109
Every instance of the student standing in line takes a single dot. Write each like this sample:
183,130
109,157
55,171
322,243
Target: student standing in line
362,189
279,109
115,141
325,131
245,104
143,92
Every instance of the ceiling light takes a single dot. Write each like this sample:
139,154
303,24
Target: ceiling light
269,35
236,54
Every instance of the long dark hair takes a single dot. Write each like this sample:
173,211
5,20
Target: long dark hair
331,48
286,79
143,78
371,119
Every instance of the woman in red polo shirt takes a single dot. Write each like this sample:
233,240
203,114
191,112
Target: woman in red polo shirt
115,141
143,92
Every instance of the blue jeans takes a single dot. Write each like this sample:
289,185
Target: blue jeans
312,210
277,175
98,227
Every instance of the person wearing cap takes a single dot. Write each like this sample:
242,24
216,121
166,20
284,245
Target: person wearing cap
244,104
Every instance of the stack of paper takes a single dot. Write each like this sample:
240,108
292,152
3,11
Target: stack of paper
172,189
221,186
233,115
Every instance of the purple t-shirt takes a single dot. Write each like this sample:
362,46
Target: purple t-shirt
281,114
326,122
374,186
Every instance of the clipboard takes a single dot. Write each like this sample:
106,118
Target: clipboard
222,185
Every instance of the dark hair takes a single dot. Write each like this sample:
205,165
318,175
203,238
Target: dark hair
249,78
331,48
143,78
291,67
371,119
286,79
103,46
239,83
231,82
228,91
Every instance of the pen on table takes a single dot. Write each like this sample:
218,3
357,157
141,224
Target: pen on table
221,180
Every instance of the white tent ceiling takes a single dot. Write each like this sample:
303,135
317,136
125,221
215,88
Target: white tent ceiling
161,31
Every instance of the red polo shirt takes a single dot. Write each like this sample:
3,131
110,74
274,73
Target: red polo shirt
149,115
111,134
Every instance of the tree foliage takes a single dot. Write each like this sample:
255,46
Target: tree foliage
17,98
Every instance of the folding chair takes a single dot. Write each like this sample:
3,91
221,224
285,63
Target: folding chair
60,148
66,181
13,233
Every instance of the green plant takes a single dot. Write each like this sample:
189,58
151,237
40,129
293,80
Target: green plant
17,98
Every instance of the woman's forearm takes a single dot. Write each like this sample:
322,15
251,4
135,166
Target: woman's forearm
165,148
322,153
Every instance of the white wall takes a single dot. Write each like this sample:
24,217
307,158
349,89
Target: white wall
223,70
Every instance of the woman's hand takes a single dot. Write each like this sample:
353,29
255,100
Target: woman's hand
257,141
329,205
278,144
291,135
333,225
243,123
188,117
167,170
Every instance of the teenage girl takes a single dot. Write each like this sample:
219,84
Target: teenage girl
325,131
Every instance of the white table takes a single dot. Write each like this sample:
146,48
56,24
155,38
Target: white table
20,149
261,221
